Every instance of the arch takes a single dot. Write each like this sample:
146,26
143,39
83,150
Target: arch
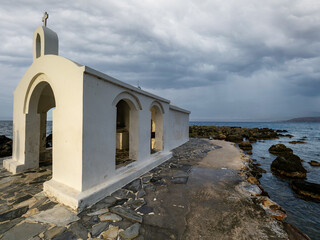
35,81
38,46
127,129
156,136
41,99
158,104
132,100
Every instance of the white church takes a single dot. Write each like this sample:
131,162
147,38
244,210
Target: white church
105,132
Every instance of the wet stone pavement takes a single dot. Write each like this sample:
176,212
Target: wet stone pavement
158,205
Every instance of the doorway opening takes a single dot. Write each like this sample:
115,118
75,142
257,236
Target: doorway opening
156,141
39,144
123,132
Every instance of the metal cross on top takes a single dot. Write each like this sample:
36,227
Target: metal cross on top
44,19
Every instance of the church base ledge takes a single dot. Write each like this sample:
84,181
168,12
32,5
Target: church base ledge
13,166
80,200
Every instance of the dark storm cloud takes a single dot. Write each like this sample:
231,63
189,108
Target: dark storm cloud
223,60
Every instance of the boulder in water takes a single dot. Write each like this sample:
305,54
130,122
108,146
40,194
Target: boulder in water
234,138
245,145
289,165
306,189
314,163
280,149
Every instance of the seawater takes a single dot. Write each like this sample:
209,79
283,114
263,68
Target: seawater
301,213
6,128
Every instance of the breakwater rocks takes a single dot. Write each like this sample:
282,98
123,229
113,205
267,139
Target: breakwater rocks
5,146
253,173
234,134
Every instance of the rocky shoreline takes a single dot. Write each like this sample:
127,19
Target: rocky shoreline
286,164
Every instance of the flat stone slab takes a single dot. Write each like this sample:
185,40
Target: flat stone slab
24,231
131,232
110,217
101,211
59,216
98,228
12,214
127,213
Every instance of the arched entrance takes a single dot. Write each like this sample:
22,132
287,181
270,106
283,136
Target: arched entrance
127,125
156,141
38,151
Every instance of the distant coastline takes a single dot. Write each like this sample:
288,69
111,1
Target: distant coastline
304,119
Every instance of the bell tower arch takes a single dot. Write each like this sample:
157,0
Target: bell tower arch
45,42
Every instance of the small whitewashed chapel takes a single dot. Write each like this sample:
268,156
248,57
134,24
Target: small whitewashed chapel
105,133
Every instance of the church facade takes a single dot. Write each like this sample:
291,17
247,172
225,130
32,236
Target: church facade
105,133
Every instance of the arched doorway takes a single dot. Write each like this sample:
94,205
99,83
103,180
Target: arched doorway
156,141
126,133
38,150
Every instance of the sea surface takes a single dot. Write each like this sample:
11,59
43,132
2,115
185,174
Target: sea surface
301,213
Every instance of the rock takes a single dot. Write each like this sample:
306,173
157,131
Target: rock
252,140
4,227
59,216
141,193
30,202
280,149
297,142
253,189
234,138
314,163
110,217
101,211
111,233
272,208
131,232
145,209
79,230
49,141
289,166
135,203
306,189
24,231
15,213
53,232
253,180
120,194
65,235
22,199
245,145
98,228
31,212
5,146
127,213
134,186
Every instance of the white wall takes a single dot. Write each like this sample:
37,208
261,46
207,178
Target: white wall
99,127
178,127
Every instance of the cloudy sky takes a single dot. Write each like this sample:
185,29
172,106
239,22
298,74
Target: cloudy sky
232,60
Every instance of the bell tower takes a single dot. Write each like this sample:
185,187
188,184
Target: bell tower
45,41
